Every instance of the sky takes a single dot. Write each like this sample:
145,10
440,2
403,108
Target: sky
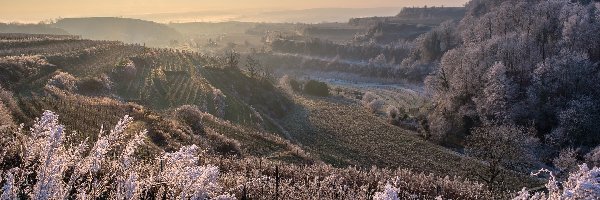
38,10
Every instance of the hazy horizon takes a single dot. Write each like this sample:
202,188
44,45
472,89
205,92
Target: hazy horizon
31,11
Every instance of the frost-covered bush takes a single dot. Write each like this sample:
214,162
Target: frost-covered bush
396,116
126,70
15,68
581,184
378,61
372,102
389,193
192,116
368,97
63,80
50,168
185,179
223,145
375,105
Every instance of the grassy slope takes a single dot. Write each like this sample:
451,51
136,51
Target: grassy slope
343,134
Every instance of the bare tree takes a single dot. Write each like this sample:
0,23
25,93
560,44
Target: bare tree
232,60
503,147
253,66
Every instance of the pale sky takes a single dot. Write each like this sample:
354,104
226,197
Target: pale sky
37,10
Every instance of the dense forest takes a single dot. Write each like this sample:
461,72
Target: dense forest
526,65
520,88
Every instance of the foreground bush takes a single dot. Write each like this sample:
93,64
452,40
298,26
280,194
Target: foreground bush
49,168
582,184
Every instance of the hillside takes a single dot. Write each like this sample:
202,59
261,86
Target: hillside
91,84
31,29
121,29
498,99
415,15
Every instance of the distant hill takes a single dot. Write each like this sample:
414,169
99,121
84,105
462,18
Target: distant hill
31,29
319,15
417,15
191,28
315,15
432,13
122,29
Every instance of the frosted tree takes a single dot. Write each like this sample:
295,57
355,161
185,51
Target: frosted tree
498,94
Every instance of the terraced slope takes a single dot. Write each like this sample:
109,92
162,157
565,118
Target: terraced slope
163,80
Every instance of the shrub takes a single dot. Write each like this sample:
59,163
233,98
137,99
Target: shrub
126,70
368,97
63,80
231,60
192,116
375,105
290,83
13,69
95,86
316,88
393,115
223,145
372,102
